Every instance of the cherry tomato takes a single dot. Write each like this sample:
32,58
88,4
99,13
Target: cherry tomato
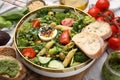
94,12
102,4
118,31
64,37
117,21
109,14
114,30
35,23
101,18
29,52
114,42
67,22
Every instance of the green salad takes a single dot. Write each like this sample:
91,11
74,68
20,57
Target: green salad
46,40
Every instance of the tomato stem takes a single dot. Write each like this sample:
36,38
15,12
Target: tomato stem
115,23
117,35
118,20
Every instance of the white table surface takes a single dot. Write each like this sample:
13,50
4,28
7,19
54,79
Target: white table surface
95,72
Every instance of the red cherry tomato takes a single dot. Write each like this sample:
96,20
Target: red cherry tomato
114,42
64,37
101,18
109,14
35,23
67,22
94,12
29,52
118,31
117,21
114,30
102,4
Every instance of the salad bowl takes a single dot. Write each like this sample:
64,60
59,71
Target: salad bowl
42,54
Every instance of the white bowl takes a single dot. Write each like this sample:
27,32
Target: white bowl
66,72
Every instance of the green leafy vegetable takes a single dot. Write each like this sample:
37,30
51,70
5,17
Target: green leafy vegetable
22,42
15,15
5,23
28,35
43,12
88,19
7,19
81,22
78,25
80,57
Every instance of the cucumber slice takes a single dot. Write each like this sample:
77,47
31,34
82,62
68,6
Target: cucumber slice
44,60
56,64
74,64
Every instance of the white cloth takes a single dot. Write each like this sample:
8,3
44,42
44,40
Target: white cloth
95,72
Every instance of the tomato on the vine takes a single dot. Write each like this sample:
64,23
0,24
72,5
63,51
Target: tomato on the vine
114,42
94,11
117,21
101,18
114,30
118,30
102,4
109,14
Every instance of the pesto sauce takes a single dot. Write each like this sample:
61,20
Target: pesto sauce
114,62
9,67
114,65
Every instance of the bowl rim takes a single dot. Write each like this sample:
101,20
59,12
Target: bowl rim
41,67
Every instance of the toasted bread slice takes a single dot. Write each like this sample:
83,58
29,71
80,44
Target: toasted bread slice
21,72
100,28
90,44
8,51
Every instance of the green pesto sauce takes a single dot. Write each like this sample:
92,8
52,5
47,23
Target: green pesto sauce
107,75
9,67
114,62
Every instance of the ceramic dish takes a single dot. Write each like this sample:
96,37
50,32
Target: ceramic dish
43,70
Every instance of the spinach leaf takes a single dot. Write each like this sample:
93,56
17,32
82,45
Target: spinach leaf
43,12
80,57
15,15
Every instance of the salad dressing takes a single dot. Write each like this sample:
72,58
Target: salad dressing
81,4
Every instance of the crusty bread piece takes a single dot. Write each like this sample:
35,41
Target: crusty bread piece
22,70
100,28
7,50
90,44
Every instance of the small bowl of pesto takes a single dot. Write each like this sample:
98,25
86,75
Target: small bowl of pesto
111,67
11,68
